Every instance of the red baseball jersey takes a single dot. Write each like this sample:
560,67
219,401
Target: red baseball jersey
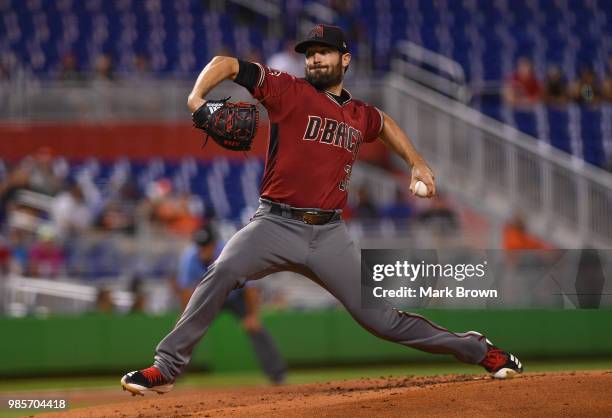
314,140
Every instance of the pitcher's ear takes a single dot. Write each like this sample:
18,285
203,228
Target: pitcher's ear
346,60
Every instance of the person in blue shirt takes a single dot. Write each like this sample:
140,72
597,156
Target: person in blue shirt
243,303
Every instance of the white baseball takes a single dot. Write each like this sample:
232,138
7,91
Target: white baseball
420,189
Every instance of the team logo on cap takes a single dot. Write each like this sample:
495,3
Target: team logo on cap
316,32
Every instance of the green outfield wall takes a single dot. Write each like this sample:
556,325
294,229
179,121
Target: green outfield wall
114,343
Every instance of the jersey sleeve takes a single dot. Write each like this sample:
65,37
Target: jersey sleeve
374,123
273,90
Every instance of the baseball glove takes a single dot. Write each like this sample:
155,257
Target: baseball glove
231,125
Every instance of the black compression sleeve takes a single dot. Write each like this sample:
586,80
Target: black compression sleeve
248,75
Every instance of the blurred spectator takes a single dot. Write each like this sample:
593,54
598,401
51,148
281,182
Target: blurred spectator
141,73
440,215
516,237
9,64
18,179
137,290
365,208
173,211
70,212
104,301
555,88
18,242
42,176
142,68
523,88
24,203
104,68
587,89
400,209
69,70
288,60
5,256
607,82
46,257
118,214
4,72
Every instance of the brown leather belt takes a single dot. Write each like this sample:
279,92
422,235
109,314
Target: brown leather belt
308,216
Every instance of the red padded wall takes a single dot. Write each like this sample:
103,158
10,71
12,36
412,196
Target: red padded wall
138,140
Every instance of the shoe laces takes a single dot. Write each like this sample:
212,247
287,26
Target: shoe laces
494,360
153,375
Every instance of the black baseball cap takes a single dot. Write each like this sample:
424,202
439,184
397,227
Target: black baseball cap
324,35
204,236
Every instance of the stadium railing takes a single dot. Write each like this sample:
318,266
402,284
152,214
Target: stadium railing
432,70
499,169
31,100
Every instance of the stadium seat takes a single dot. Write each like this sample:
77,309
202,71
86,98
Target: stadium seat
484,36
592,135
525,121
558,129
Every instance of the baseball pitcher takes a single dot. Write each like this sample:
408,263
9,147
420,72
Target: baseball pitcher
316,130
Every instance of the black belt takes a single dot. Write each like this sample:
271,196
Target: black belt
308,216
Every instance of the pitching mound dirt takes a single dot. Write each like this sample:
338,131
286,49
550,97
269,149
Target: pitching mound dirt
574,394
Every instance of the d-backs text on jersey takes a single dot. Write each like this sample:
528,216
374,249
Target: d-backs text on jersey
332,132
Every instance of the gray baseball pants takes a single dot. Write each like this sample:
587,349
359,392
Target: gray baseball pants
324,253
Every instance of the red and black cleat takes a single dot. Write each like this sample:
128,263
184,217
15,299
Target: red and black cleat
500,364
146,380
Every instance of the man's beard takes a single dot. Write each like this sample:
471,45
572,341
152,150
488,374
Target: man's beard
325,80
